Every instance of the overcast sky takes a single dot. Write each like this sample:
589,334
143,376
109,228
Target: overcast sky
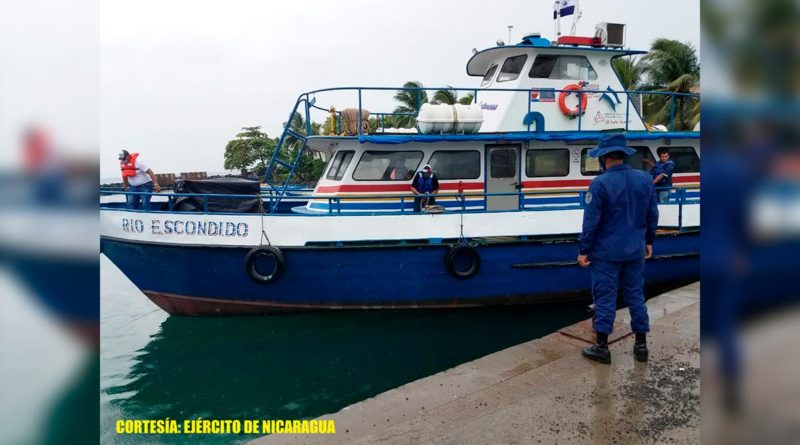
179,78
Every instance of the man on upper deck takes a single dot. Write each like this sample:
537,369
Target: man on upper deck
619,226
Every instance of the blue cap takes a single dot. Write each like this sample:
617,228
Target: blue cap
609,143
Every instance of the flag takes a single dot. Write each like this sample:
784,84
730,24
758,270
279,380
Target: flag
563,8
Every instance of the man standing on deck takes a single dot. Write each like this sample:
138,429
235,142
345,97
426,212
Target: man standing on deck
662,174
137,177
619,226
424,183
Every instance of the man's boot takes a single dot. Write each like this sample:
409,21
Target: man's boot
599,351
640,347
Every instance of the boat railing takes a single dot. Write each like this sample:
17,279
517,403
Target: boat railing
337,205
298,135
358,101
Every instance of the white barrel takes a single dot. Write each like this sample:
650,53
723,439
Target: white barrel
443,118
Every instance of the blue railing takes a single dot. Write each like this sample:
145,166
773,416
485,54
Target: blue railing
335,203
309,99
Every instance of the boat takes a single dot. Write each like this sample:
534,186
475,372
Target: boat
513,172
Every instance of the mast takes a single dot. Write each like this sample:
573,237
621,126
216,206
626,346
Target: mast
575,17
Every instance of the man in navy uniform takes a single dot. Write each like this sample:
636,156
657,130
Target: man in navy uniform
619,225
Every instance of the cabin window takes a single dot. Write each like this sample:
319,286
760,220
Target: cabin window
464,164
511,68
504,163
339,164
549,162
487,78
387,165
685,159
550,66
639,160
589,166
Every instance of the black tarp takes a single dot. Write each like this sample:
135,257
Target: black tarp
221,186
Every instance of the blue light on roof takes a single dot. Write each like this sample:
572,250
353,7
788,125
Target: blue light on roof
535,41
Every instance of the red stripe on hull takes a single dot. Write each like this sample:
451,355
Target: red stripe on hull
404,187
184,305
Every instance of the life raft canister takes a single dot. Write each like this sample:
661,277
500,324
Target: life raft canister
572,113
129,167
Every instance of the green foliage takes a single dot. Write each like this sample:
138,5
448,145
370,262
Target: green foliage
410,102
310,165
251,146
253,149
450,97
630,71
668,60
671,66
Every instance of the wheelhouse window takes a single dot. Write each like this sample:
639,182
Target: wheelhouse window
685,159
639,160
549,162
465,164
550,66
589,166
339,165
387,165
487,78
504,163
511,68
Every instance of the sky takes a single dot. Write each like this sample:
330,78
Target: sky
178,79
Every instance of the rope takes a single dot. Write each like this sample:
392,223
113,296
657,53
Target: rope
263,230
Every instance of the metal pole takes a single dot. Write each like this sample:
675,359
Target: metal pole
672,113
359,111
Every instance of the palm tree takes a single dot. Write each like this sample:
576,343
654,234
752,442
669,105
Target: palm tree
668,60
450,97
410,102
630,71
671,66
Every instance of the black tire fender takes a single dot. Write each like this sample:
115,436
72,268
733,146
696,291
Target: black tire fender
257,252
460,250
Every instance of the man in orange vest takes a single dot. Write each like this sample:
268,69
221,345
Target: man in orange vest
137,177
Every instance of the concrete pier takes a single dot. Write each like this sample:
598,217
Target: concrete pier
543,391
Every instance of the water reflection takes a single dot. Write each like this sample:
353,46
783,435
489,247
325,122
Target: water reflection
306,365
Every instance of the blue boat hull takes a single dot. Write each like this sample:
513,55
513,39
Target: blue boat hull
213,280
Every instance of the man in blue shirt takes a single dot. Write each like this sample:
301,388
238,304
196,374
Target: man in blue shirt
662,174
619,226
424,183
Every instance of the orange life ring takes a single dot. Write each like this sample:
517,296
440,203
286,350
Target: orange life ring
562,101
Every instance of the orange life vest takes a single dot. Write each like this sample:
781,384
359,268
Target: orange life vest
129,167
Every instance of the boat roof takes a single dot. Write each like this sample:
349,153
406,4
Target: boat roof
480,61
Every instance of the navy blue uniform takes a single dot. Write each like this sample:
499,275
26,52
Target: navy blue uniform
620,217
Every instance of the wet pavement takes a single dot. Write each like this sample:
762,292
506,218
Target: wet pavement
543,391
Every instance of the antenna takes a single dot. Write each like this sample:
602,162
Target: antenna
575,17
510,27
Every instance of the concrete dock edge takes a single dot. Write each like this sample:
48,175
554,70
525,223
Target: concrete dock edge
543,391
